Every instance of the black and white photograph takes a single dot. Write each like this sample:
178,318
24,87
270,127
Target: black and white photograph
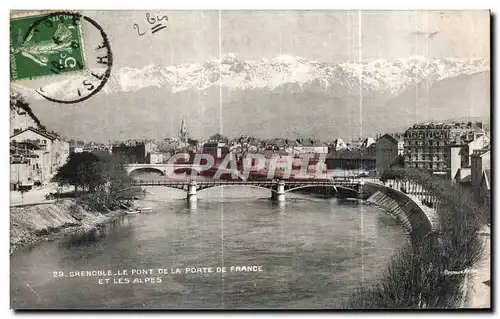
250,159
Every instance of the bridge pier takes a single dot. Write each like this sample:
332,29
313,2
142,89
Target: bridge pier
279,193
191,193
191,205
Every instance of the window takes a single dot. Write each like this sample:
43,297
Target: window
44,142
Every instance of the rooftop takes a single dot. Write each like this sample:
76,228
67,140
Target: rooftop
475,126
388,137
481,152
37,131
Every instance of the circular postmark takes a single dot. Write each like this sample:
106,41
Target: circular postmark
65,53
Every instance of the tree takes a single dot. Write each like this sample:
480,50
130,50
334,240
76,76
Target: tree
399,162
218,138
192,142
81,170
17,102
393,173
103,179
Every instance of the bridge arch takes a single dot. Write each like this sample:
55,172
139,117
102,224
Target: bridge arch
236,185
309,186
145,170
187,170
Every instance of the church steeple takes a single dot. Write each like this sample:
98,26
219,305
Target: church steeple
183,134
183,131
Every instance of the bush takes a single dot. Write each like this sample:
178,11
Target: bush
417,277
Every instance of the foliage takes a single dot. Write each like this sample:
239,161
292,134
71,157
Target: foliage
392,174
192,142
399,162
418,276
17,102
102,178
414,279
218,138
82,170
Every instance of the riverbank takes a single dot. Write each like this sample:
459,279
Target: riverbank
31,224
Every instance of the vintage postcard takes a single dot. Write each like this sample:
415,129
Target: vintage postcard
250,159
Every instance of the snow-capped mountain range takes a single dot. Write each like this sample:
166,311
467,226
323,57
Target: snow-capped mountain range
235,74
278,97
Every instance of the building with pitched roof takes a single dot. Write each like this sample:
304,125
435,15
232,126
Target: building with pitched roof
47,152
42,164
386,152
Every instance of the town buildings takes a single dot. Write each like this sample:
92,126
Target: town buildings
35,156
355,159
134,152
155,157
24,164
459,152
461,157
387,152
217,149
480,176
338,145
432,146
149,152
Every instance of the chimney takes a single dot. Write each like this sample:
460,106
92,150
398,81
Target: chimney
458,139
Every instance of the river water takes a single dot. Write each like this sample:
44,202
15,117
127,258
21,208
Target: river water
311,253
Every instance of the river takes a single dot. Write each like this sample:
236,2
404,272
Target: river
311,253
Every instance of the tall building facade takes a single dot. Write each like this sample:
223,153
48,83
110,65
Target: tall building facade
430,146
427,146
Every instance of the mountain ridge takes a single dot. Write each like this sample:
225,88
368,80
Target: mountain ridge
215,98
233,73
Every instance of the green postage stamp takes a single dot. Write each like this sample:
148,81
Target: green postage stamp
45,44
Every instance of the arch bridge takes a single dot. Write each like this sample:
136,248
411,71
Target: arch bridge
278,188
163,169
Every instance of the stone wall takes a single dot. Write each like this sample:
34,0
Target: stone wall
400,206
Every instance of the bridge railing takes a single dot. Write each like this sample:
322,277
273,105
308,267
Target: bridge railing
238,182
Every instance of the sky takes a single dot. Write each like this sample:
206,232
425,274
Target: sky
330,36
327,36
